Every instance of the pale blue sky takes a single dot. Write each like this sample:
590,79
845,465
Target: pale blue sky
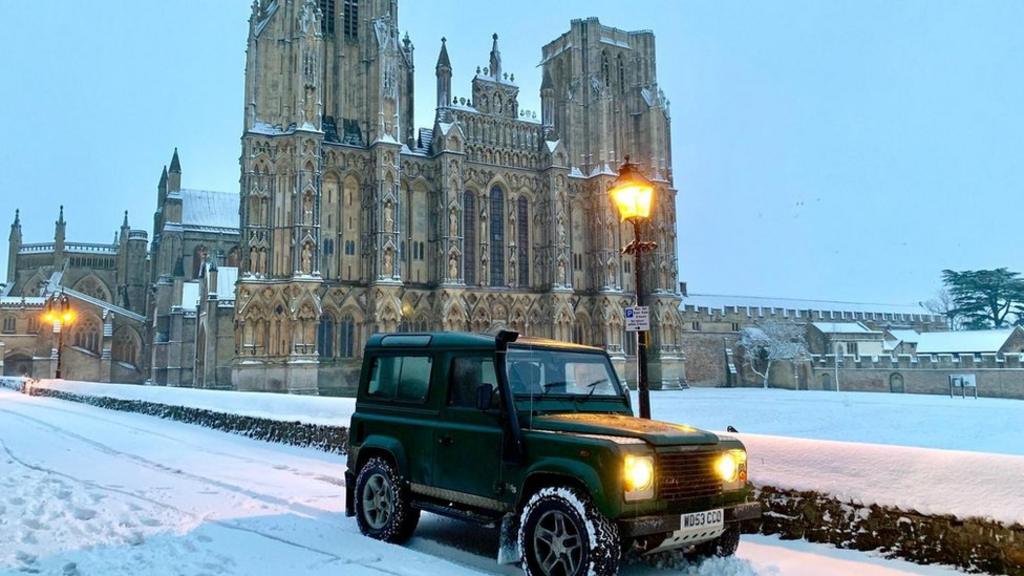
842,149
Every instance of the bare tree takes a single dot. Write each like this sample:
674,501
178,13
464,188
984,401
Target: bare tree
771,341
944,305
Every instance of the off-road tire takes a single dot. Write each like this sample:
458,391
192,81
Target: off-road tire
400,520
599,537
723,546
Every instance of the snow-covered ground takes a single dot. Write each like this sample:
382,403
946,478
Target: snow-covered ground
86,491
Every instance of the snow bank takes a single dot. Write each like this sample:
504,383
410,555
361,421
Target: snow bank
933,482
309,409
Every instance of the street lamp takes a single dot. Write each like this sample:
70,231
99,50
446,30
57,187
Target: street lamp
633,195
58,312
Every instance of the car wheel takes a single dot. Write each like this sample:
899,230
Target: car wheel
564,534
382,503
723,546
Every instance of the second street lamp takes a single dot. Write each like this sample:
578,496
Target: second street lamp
59,313
633,195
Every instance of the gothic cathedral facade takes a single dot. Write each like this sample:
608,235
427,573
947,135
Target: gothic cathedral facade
352,222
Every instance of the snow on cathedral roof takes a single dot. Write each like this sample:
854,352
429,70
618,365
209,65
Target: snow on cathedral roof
209,211
965,341
844,328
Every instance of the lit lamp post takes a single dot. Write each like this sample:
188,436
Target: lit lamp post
59,313
633,195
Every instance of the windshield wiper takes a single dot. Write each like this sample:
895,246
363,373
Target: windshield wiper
593,387
548,385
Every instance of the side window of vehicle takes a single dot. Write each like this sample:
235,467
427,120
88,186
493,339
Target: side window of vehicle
467,374
415,379
403,378
384,376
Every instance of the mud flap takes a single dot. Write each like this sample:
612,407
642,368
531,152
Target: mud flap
508,540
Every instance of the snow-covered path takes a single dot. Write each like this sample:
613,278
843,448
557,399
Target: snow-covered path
85,491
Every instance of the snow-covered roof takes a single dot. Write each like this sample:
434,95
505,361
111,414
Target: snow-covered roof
966,341
18,301
227,276
104,305
209,211
908,336
844,328
189,295
722,301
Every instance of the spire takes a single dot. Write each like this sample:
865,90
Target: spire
60,219
163,177
495,58
125,223
15,236
175,163
442,59
17,218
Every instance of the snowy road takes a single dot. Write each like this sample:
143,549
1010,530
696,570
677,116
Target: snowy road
85,491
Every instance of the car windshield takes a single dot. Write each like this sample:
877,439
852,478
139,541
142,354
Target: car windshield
560,373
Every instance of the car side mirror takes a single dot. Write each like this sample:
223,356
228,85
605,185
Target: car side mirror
484,393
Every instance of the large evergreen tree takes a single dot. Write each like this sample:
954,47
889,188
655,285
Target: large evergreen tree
985,298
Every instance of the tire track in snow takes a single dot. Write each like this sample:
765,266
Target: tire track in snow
177,472
330,556
194,447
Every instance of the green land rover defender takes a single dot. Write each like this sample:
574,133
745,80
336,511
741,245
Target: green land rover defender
539,437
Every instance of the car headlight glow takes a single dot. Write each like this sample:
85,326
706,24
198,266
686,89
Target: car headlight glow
731,467
638,476
727,467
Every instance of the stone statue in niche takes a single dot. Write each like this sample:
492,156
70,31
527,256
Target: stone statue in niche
389,217
561,272
307,258
388,262
253,260
307,208
453,266
261,264
561,229
453,222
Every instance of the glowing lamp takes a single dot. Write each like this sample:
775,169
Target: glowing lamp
632,194
727,467
638,472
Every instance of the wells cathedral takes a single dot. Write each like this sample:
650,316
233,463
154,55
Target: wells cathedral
349,221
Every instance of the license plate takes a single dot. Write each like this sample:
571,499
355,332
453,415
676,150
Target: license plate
706,520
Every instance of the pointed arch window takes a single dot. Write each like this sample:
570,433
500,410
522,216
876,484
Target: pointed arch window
469,237
327,12
497,239
88,336
523,240
325,336
350,22
347,337
605,69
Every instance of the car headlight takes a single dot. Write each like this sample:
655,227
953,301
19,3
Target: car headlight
731,467
638,476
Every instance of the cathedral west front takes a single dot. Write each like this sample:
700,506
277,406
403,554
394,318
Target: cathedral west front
350,221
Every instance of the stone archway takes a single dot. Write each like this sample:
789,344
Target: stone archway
896,384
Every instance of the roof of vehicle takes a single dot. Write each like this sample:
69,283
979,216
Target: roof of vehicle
465,340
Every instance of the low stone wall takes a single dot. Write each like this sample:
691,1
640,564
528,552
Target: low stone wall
974,544
327,438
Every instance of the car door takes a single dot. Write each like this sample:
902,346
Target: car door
468,441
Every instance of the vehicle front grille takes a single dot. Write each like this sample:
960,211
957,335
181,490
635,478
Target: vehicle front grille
685,475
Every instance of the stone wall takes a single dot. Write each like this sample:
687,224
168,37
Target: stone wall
327,438
974,544
997,376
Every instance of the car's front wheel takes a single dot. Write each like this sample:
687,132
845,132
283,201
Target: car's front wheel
564,534
382,502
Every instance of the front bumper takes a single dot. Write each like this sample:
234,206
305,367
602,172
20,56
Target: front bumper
350,494
668,523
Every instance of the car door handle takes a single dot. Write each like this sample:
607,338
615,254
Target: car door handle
446,441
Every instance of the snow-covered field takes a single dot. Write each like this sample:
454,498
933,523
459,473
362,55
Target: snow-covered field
982,425
86,491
